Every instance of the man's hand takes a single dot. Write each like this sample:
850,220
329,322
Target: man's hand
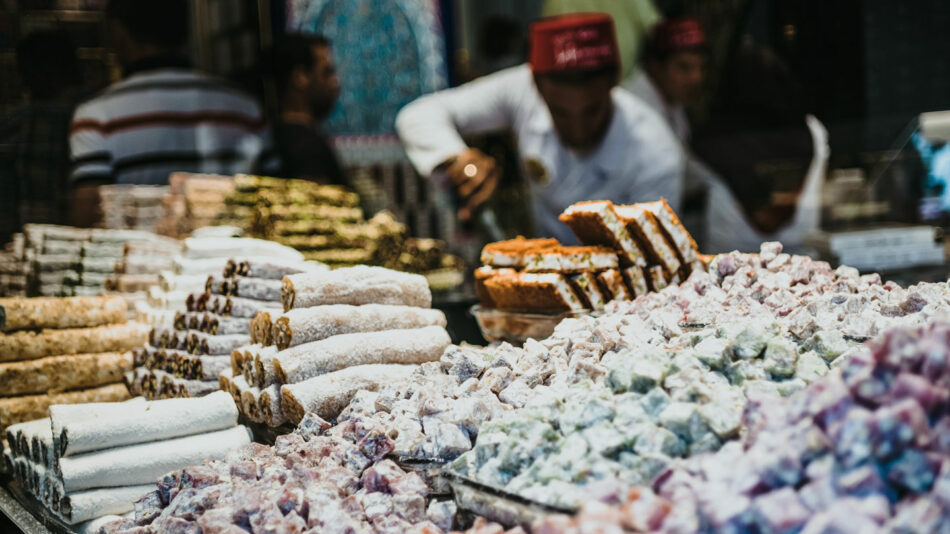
475,176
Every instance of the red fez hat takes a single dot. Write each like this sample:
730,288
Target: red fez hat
677,35
575,42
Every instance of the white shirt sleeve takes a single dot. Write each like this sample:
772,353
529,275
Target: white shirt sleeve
432,126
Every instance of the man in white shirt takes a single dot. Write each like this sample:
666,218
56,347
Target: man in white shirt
674,65
579,136
163,116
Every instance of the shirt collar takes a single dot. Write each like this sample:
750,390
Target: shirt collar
155,63
607,156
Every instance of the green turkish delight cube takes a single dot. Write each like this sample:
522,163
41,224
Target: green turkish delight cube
713,352
655,402
708,442
829,344
583,412
724,416
780,358
810,367
752,339
681,418
745,370
642,469
631,371
604,438
787,387
660,440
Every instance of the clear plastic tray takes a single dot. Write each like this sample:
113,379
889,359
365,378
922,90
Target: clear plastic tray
496,505
517,327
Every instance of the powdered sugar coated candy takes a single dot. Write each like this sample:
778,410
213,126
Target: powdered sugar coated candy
355,285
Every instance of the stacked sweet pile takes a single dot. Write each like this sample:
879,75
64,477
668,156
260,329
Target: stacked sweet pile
342,331
65,261
131,207
139,270
630,251
63,351
201,256
14,269
195,201
646,369
336,481
85,461
863,450
186,358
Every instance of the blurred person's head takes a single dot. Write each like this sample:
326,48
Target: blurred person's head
46,62
576,64
675,59
142,29
305,74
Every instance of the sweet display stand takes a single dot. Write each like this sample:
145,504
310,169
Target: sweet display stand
26,514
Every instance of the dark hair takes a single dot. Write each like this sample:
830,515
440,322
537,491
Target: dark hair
46,61
162,23
581,77
290,52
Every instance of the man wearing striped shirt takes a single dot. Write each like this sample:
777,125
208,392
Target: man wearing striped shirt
162,117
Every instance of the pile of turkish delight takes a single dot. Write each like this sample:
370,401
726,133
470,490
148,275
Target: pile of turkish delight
663,377
335,482
863,450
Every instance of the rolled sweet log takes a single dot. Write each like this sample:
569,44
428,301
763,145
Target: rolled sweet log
304,325
219,325
146,422
270,405
419,345
61,414
68,312
355,285
233,306
249,404
252,288
262,326
265,372
30,407
144,463
201,343
270,269
28,345
19,435
58,373
328,394
82,506
213,247
188,320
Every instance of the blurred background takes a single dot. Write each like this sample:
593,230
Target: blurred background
866,69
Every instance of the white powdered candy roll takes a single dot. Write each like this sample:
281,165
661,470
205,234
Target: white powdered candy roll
355,285
253,288
328,394
144,463
271,269
270,406
304,325
20,435
94,526
82,506
249,404
265,372
207,344
152,421
419,345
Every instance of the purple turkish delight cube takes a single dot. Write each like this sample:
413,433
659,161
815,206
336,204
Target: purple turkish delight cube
780,512
913,471
899,426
